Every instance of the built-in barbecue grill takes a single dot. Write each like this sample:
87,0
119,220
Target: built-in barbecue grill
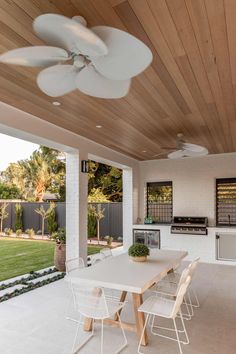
189,225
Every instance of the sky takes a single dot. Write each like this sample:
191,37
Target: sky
13,150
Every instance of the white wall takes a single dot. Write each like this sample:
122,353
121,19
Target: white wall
193,182
193,195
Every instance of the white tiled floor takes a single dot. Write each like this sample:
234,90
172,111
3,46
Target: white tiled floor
34,323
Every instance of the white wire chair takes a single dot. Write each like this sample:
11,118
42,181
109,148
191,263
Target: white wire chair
106,252
72,265
166,308
169,289
93,304
96,258
175,277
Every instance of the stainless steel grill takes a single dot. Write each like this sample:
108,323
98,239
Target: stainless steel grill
189,225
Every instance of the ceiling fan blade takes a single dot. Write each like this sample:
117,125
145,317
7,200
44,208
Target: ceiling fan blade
194,148
57,80
127,56
191,153
92,83
35,56
69,34
176,154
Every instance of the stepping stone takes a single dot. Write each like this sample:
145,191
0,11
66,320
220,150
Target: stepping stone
45,277
11,289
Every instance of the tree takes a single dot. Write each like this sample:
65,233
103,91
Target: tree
52,221
43,171
96,196
98,213
19,215
3,214
9,191
44,213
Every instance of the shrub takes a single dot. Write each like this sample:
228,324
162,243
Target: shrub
8,231
60,236
138,250
19,217
18,232
109,240
52,221
30,232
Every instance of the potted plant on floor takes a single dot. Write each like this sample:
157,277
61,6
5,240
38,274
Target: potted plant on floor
60,249
138,252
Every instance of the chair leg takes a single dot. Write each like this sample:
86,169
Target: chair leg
184,329
102,338
195,297
75,351
177,336
141,338
190,303
124,336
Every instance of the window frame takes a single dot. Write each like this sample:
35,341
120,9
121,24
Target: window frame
160,183
217,182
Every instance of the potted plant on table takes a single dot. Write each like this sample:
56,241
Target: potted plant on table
60,249
138,252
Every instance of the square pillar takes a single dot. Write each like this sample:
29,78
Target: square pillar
76,206
127,207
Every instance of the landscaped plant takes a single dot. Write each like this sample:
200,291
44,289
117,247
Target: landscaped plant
109,240
18,232
44,213
19,217
30,232
98,213
138,250
52,221
60,236
92,223
3,214
8,231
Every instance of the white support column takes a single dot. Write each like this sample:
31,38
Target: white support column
127,207
76,206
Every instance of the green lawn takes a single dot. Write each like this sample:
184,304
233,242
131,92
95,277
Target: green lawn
18,257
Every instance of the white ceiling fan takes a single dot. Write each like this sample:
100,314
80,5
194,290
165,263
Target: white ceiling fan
102,60
183,149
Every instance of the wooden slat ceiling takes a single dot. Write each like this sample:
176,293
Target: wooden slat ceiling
189,88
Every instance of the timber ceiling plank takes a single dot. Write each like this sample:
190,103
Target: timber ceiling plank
190,86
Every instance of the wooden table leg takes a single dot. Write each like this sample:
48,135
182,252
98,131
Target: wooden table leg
122,299
88,322
139,317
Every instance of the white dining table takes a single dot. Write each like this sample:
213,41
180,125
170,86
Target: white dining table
122,273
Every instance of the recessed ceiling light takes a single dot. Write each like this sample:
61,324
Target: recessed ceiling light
56,103
144,151
99,126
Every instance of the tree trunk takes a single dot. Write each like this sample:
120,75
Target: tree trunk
1,225
43,227
98,230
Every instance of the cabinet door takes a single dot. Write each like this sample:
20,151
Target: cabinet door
153,239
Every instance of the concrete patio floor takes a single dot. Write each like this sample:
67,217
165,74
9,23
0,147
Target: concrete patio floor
34,323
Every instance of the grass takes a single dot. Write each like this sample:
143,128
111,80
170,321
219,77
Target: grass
18,257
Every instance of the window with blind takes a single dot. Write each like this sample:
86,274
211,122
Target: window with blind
159,202
226,202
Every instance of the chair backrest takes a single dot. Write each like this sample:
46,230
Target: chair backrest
192,267
74,264
180,296
184,276
96,258
106,252
89,301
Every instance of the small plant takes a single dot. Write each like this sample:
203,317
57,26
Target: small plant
52,221
30,232
19,216
109,240
60,236
138,250
45,214
18,232
8,231
3,214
